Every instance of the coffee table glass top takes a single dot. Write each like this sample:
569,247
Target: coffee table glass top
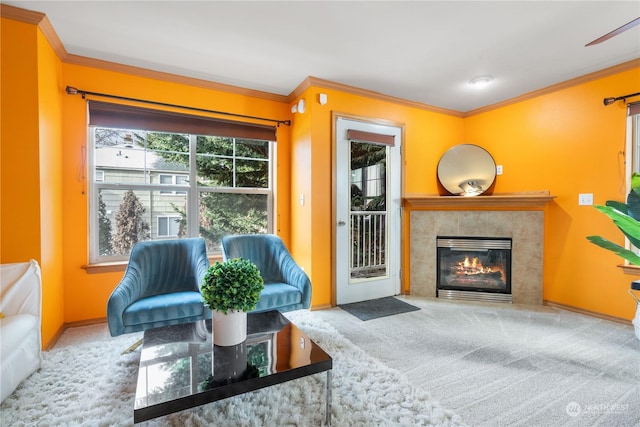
180,368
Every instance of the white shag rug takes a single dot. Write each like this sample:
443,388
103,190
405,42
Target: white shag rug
88,382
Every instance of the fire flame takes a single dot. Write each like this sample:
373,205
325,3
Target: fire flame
473,266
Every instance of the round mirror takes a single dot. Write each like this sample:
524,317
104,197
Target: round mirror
466,170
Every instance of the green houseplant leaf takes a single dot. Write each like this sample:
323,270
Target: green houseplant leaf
626,218
617,249
234,284
630,227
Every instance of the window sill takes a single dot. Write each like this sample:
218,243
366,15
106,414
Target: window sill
105,267
110,267
630,269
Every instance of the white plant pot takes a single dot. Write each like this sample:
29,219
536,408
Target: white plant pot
229,329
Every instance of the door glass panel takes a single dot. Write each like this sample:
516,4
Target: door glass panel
368,214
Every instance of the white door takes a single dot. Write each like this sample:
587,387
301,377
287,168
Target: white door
367,210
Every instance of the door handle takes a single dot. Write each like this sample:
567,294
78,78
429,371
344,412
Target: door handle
341,223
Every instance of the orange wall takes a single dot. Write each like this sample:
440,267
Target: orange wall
301,215
20,148
86,294
51,189
568,142
31,173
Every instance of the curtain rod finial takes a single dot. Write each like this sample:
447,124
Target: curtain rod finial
608,101
71,90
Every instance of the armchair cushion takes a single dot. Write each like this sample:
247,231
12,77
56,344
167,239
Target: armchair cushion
282,296
164,308
160,287
286,286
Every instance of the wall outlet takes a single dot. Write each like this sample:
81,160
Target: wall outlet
585,199
499,170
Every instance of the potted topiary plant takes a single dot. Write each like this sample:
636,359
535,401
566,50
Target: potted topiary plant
231,289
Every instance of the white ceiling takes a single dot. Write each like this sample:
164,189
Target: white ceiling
425,51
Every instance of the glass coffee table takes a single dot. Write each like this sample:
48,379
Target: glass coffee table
180,368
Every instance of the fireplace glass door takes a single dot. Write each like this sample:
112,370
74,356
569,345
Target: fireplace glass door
474,264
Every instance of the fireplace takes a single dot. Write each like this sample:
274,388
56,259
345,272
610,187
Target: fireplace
474,268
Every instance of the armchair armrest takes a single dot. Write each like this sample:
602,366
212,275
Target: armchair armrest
128,290
20,290
294,275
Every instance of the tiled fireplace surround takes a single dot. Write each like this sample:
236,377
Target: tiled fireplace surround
489,217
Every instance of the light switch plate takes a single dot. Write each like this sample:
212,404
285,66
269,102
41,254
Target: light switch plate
585,199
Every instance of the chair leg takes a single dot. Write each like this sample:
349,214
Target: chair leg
133,347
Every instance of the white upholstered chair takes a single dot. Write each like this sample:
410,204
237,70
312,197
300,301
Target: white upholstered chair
20,339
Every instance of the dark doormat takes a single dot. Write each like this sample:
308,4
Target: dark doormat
376,308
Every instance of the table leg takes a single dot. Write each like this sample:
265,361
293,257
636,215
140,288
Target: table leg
327,414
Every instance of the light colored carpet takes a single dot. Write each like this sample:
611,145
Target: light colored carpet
85,381
509,365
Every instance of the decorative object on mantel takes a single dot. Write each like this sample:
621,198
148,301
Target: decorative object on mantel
466,170
231,289
626,216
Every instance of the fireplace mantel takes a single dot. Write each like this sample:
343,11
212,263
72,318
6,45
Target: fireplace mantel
520,200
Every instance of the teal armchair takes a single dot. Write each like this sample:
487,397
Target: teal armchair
286,286
160,287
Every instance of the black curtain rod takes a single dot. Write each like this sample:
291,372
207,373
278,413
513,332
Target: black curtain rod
73,91
609,101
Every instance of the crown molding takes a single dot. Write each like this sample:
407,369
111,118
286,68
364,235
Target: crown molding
327,84
172,78
625,66
39,19
22,15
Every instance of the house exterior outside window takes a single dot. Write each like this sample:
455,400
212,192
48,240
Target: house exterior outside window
159,185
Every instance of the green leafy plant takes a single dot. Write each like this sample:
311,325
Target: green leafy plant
234,284
626,217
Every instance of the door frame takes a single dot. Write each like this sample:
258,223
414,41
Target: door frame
335,116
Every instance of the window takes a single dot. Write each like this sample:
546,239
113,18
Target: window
633,147
160,184
633,126
169,226
168,179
